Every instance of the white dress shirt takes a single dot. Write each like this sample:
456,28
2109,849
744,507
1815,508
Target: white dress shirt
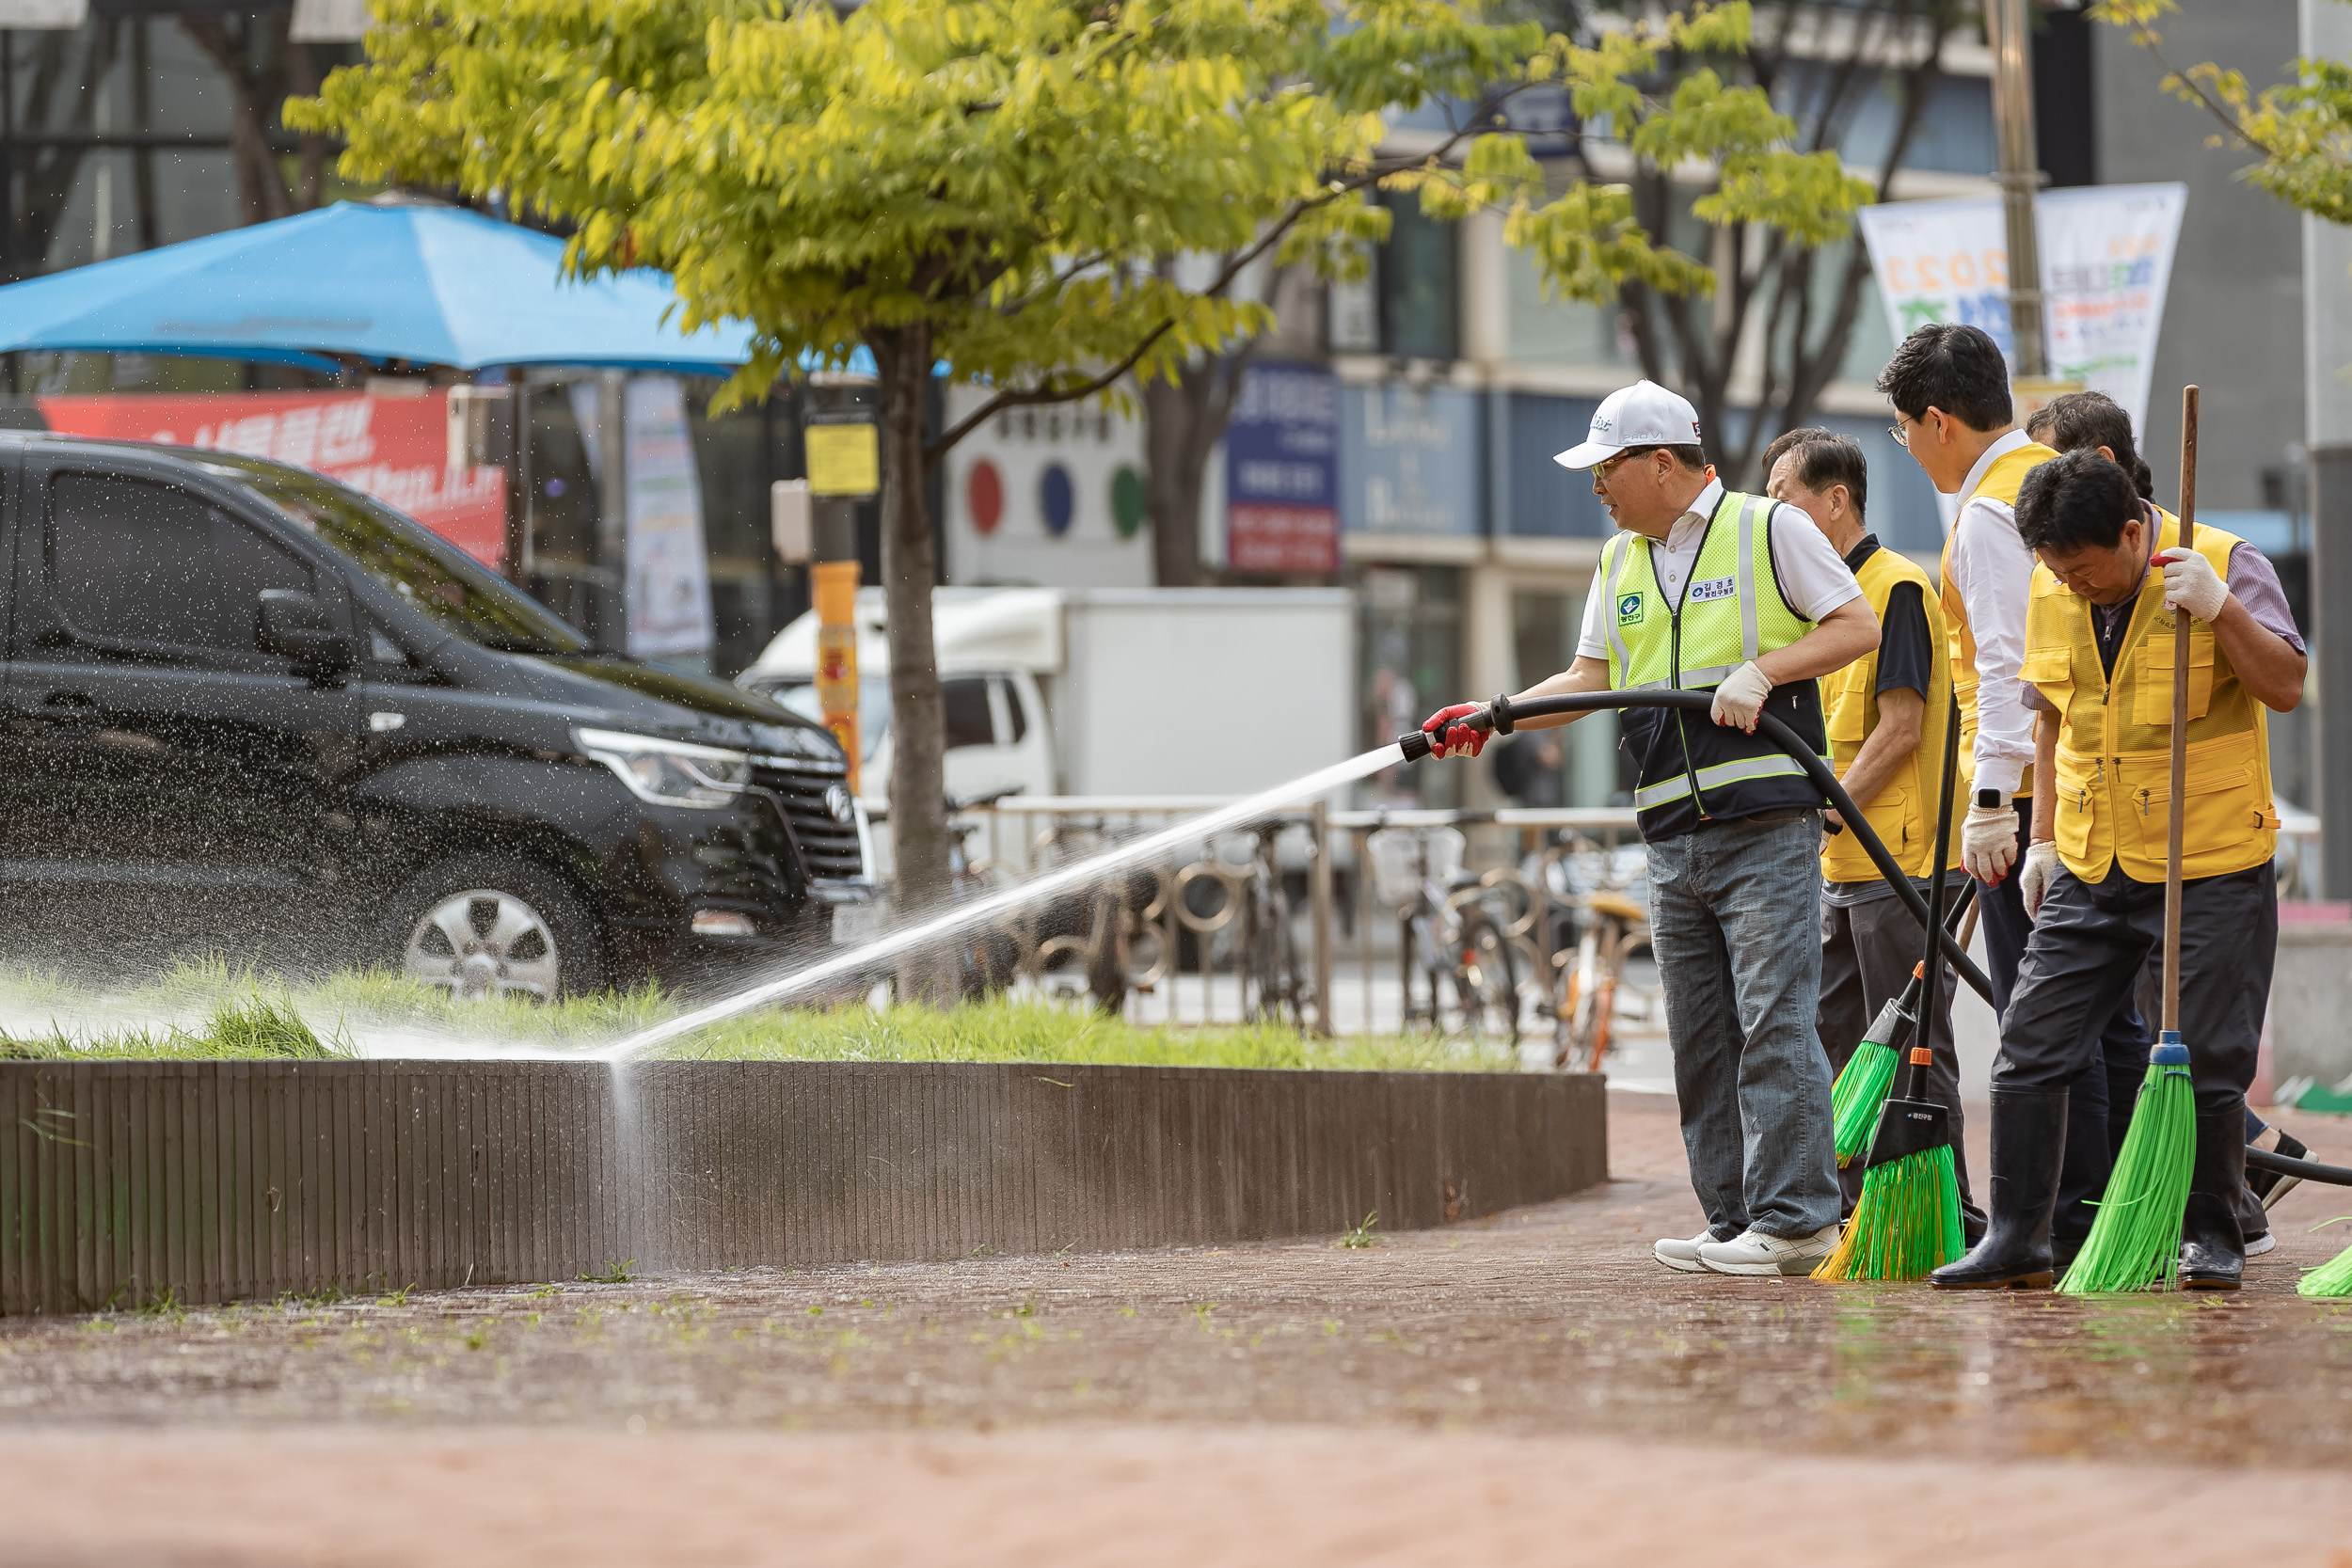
1812,576
1993,573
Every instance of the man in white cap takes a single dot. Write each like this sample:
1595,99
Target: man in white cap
1706,588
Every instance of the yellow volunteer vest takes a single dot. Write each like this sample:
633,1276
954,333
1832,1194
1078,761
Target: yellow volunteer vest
1689,770
1899,813
2000,484
2114,757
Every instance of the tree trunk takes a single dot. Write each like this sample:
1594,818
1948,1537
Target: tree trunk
1173,478
918,790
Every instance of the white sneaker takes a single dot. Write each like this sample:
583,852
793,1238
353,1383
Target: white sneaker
1752,1252
1681,1256
2260,1244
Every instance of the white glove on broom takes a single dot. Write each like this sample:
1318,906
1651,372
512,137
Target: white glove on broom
2190,583
1741,698
1988,842
2042,864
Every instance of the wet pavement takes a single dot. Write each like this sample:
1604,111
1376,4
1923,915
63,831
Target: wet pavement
1550,1321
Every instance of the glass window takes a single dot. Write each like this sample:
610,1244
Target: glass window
1013,711
452,589
1418,278
963,700
132,562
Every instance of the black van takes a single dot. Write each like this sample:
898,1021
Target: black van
251,711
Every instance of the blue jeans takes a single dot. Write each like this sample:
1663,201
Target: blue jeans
1732,909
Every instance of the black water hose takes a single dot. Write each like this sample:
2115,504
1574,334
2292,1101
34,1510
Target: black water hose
1417,744
2287,1165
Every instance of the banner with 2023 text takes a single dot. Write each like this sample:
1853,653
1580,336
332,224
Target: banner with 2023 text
2107,257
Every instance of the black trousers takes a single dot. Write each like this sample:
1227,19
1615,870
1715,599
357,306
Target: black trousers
2088,949
2122,1039
1868,952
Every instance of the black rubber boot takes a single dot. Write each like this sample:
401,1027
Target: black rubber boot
2029,1143
2213,1248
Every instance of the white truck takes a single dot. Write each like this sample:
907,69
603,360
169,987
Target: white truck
1116,691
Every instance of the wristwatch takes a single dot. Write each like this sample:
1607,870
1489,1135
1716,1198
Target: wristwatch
1989,798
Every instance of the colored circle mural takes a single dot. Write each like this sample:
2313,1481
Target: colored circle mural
1129,501
1058,498
984,493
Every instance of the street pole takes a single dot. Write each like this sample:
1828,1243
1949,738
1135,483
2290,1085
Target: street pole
841,456
2020,179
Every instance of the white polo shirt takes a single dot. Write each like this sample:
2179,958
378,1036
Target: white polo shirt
1813,578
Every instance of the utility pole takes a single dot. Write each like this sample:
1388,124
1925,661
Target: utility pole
2020,179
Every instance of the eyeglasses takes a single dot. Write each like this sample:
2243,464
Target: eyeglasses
1602,469
1903,436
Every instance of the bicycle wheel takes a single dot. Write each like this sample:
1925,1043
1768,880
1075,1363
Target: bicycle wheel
1487,982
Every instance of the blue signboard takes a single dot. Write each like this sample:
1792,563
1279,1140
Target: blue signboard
1411,459
1281,482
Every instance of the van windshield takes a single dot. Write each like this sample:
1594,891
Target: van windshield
456,592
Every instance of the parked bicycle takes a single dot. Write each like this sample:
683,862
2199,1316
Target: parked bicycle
1453,939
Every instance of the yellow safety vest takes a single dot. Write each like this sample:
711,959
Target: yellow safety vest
1899,813
1689,769
2114,757
2000,484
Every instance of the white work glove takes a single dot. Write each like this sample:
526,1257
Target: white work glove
1988,842
2190,583
1741,698
2042,864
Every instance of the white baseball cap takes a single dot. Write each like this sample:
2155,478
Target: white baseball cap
1642,415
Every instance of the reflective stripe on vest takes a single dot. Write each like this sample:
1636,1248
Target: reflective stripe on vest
1779,764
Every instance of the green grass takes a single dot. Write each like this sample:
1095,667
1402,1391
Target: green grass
210,1011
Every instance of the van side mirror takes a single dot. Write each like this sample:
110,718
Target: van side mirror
293,624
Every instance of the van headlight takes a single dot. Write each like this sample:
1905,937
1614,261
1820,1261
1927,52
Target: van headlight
670,772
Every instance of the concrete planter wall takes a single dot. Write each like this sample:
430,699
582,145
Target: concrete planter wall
222,1180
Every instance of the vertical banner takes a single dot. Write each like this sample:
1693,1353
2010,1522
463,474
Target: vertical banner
2107,260
395,449
1281,472
669,578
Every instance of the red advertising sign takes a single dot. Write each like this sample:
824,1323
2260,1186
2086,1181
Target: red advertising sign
394,449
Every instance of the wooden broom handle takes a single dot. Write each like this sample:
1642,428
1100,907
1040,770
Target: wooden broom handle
2179,726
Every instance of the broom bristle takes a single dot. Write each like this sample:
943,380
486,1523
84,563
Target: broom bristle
1906,1222
1861,1088
2134,1239
2331,1278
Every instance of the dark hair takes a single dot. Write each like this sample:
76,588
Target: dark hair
2073,421
1957,369
1689,455
1824,458
2074,501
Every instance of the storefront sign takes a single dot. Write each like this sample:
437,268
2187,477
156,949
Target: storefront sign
394,449
1050,495
1409,459
1281,472
669,578
2107,257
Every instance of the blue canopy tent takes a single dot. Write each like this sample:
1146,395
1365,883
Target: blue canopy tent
403,280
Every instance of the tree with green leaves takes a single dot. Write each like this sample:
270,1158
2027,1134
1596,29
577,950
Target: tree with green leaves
2300,128
994,186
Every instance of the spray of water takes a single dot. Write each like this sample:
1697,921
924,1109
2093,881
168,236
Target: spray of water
964,916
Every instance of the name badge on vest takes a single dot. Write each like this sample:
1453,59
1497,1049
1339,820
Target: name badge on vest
1712,589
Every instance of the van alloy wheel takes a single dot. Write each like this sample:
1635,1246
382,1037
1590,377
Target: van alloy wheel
483,943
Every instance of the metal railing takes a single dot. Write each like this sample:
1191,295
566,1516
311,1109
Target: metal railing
1261,924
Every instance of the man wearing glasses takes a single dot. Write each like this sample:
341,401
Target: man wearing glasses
1949,385
1704,589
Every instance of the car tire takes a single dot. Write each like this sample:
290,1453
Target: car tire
483,925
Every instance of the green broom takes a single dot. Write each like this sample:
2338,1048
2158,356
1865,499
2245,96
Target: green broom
1869,1072
1908,1219
2333,1278
2135,1238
